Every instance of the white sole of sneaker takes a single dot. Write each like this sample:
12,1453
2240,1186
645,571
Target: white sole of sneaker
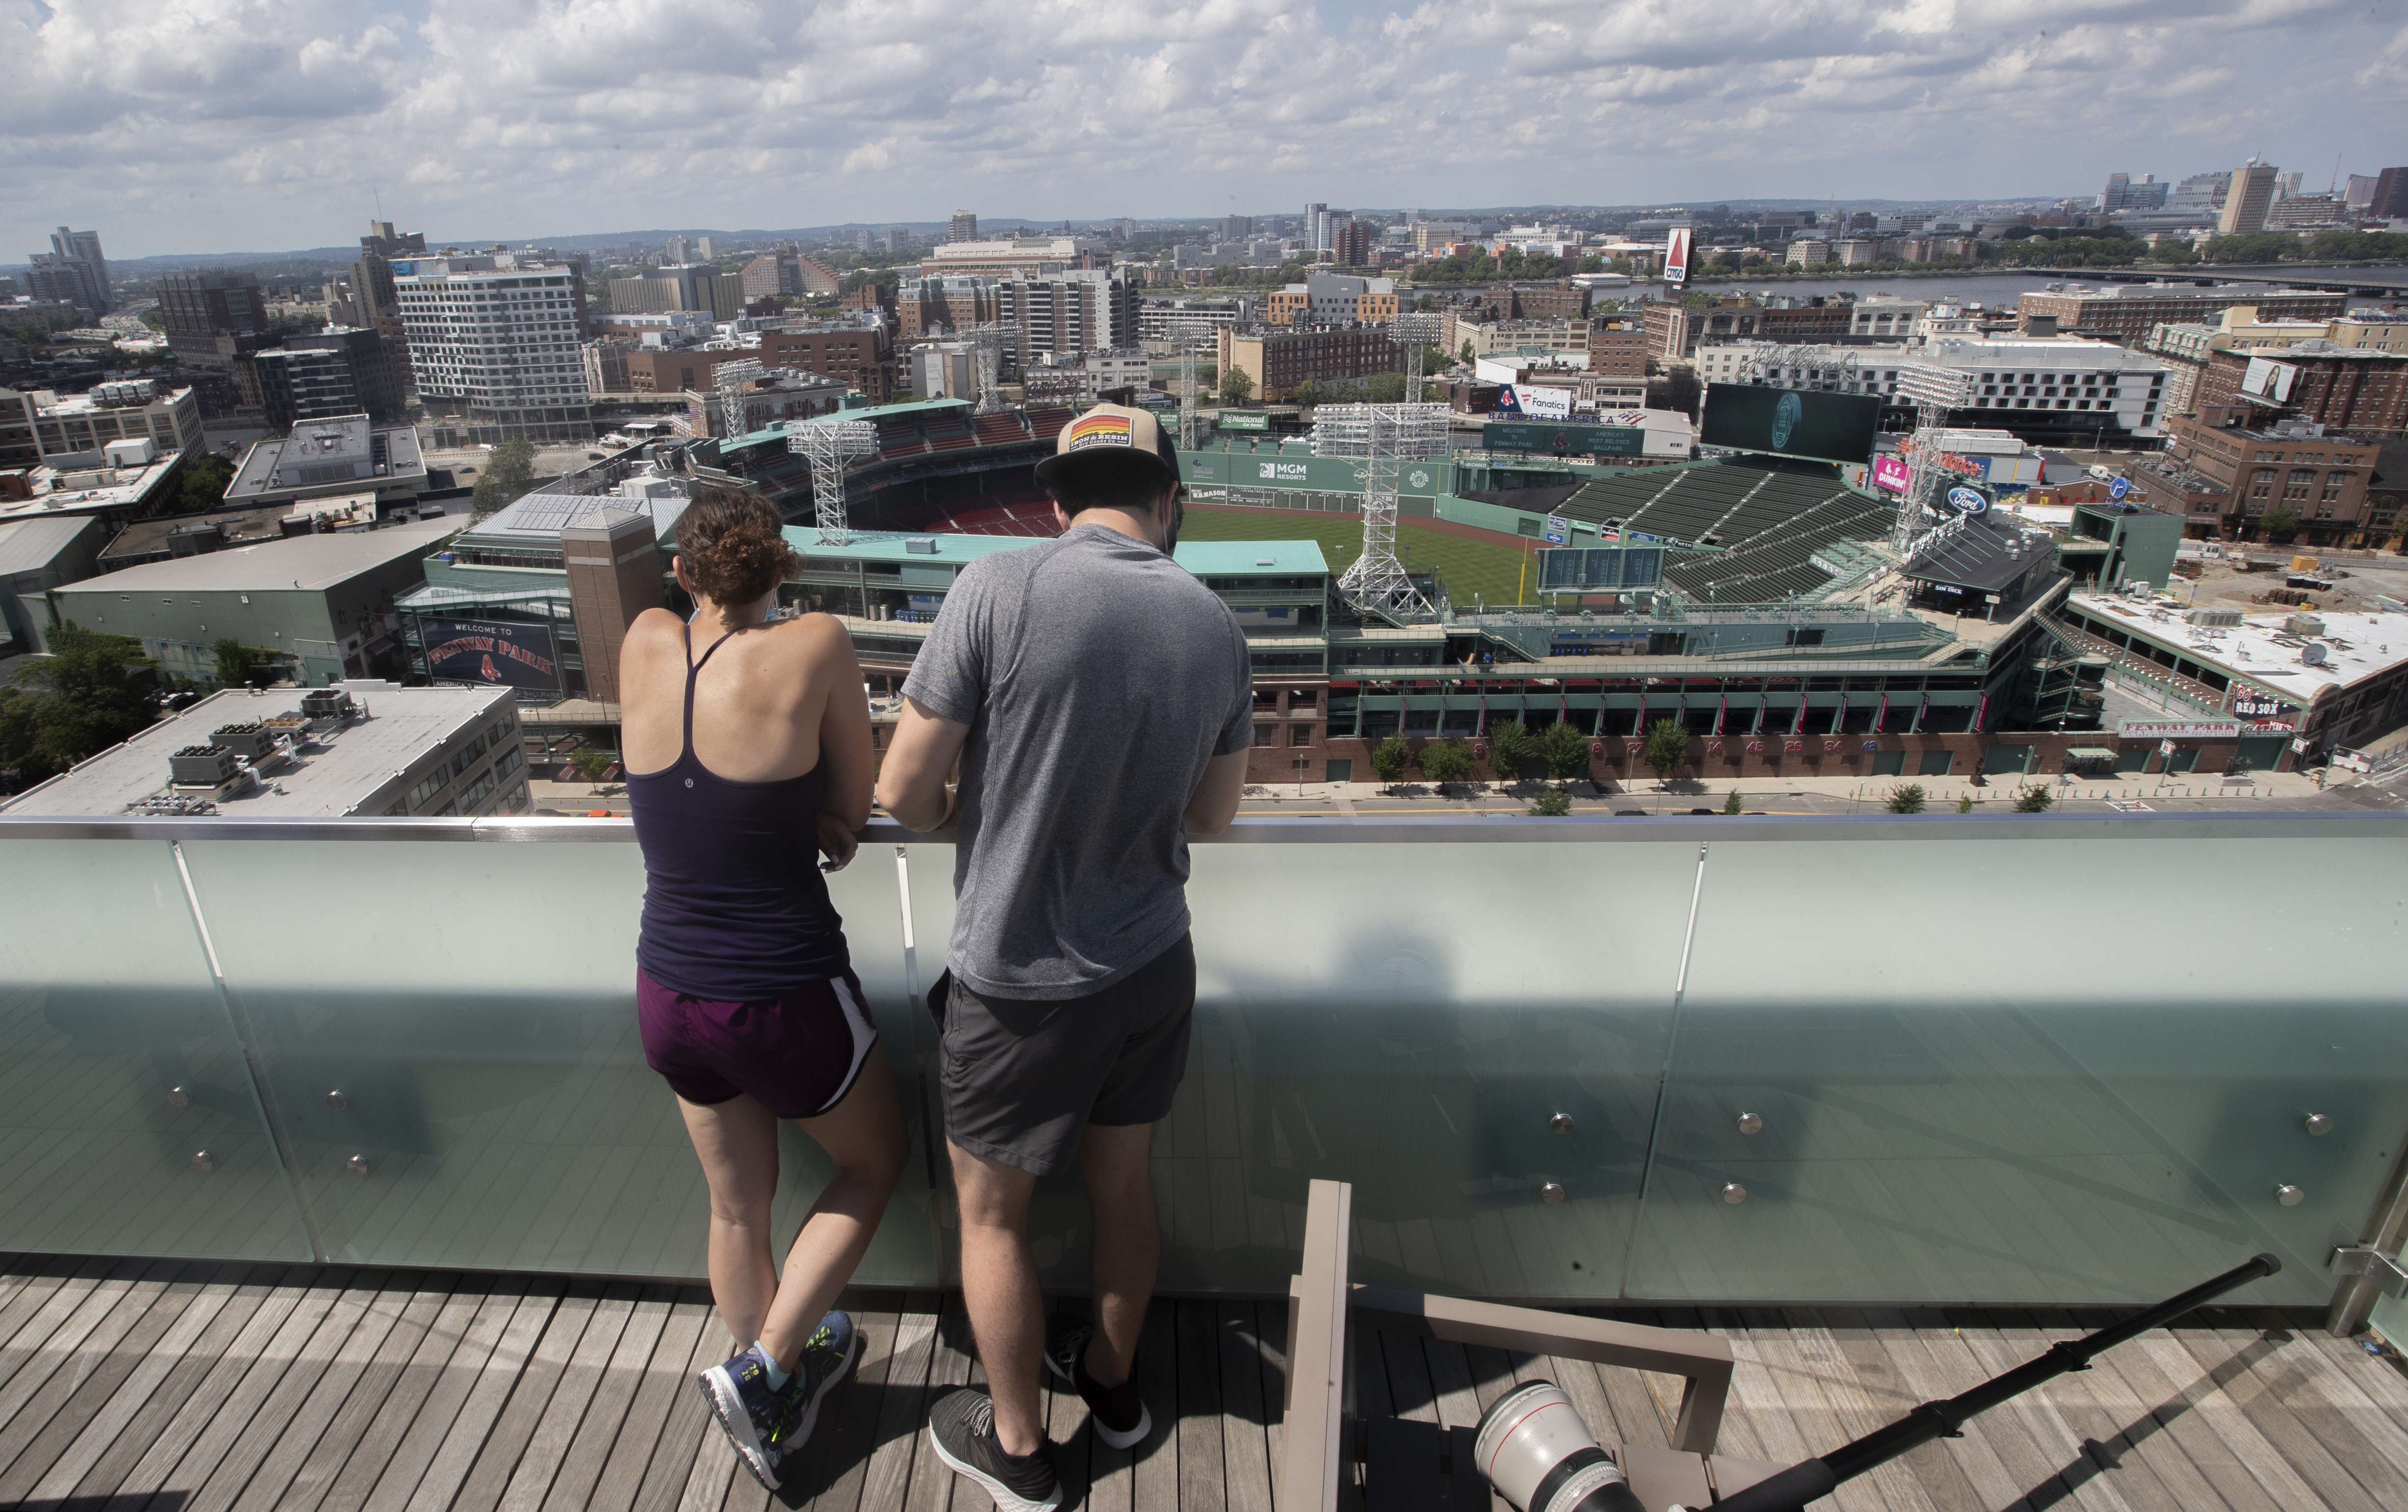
1005,1499
728,1408
1118,1441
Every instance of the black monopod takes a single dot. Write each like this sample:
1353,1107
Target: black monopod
1791,1490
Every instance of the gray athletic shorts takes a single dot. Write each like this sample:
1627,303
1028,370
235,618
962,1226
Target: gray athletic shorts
1021,1081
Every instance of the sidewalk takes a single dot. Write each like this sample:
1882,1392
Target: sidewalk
1871,793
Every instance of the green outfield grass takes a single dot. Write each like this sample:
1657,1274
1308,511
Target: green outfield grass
1471,569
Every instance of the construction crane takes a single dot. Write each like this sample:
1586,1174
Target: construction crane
829,445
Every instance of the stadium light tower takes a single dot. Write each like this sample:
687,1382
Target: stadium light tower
1188,335
828,445
1414,330
733,381
1933,390
1385,436
990,340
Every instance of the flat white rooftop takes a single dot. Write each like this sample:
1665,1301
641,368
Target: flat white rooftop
2356,646
337,769
309,562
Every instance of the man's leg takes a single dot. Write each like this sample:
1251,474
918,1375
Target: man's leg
1000,1289
1127,1247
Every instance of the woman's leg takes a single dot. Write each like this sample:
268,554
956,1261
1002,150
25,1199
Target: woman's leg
864,1136
738,1144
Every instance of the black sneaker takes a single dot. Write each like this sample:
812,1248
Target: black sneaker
1117,1412
961,1427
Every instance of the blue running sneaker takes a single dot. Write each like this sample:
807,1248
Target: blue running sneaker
748,1411
827,1355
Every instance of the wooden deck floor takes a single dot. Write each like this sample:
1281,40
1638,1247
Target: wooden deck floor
190,1387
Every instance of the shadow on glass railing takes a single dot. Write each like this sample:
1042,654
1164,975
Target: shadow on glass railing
1687,1060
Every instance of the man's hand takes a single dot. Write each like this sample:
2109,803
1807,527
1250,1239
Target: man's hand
838,841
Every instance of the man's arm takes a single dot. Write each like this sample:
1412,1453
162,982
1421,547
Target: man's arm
911,781
1214,803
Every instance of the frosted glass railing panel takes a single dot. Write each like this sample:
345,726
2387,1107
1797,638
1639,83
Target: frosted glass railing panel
470,1007
1409,1018
119,1066
2024,1068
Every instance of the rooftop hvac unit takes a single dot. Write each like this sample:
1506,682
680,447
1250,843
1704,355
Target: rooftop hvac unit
2305,624
201,766
2213,618
922,545
251,741
2313,654
326,703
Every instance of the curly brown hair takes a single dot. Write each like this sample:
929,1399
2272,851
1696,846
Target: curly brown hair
732,543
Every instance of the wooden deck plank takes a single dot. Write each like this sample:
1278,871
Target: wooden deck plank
2236,1440
828,1470
458,1418
490,1474
561,1422
903,1406
1851,1411
98,1461
929,1485
65,1317
247,1374
1411,1395
1202,1460
53,1414
688,1422
2289,1406
2035,1462
274,1445
1245,1447
2175,1432
86,1424
610,1416
2000,1344
1891,1396
374,1386
1066,1428
2107,1437
1786,1395
1154,1464
401,1434
1270,1331
1927,1377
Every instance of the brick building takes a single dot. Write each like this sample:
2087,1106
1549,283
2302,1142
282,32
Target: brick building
2234,462
1673,331
1277,360
2340,388
858,356
2127,312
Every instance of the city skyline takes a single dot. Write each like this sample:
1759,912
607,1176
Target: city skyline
228,126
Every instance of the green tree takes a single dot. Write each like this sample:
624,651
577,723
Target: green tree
591,763
1667,747
202,485
1446,760
1386,388
1237,386
1390,757
1907,798
87,695
509,471
1591,263
1564,747
2034,800
1470,353
235,660
1553,804
1512,748
2281,523
1309,393
1731,804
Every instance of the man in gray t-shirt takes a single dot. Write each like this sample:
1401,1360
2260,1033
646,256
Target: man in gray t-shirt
1097,700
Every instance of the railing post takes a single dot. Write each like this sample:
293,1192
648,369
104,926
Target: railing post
2354,1299
1312,1447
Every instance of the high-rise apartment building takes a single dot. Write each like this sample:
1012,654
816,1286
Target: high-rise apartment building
2246,202
2200,193
1237,227
1060,313
346,370
496,348
695,286
197,309
2389,200
1351,247
1314,215
963,226
678,250
78,255
704,250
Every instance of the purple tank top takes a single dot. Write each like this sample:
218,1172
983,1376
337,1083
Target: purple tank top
735,906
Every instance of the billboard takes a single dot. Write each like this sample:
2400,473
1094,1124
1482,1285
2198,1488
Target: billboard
1892,473
1584,440
1243,420
1676,255
1580,569
507,653
1528,399
2265,378
1828,427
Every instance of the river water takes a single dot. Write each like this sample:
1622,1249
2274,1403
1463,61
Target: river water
1993,290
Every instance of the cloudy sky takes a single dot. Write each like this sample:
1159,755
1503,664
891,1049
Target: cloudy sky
233,125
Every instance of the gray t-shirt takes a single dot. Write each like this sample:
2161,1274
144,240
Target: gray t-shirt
1098,679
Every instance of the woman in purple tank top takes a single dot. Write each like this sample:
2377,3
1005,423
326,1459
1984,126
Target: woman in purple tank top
748,753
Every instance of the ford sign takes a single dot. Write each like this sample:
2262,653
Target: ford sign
1967,501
